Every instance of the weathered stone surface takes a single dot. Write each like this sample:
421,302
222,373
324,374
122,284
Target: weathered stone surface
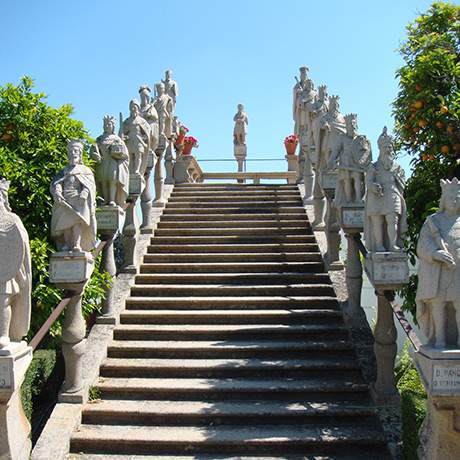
70,267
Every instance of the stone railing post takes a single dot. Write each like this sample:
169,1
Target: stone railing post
169,164
292,165
318,204
308,177
158,202
146,197
354,276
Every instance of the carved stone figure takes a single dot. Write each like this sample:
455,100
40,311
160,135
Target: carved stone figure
171,88
241,126
318,110
164,106
385,208
352,156
73,222
438,249
136,134
296,98
15,273
112,171
149,113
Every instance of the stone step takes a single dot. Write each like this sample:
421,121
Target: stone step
288,223
257,248
230,217
235,209
232,239
311,302
268,439
219,290
232,186
244,315
228,348
196,257
311,331
234,278
251,204
235,194
345,367
173,413
244,231
324,389
238,198
228,267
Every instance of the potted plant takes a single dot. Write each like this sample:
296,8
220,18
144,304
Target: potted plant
183,130
189,143
290,142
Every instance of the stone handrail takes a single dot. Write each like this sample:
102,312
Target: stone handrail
187,170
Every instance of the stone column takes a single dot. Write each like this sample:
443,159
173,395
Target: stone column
14,426
332,257
440,374
308,179
109,265
301,165
318,204
169,164
384,390
130,233
146,198
158,202
292,163
354,277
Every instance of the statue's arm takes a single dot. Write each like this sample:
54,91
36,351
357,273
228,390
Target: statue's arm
426,245
335,154
56,189
95,154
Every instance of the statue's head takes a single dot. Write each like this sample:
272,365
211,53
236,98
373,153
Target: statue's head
75,152
160,88
144,94
134,107
322,93
386,143
303,73
4,187
334,104
109,124
351,123
168,74
240,107
450,197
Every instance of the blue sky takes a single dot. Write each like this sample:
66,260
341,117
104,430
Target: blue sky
95,54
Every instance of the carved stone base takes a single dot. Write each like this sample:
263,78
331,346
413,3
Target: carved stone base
71,267
136,184
387,270
351,217
14,426
108,219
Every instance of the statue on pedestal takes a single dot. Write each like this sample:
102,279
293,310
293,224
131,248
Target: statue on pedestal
135,131
149,113
73,221
112,171
241,126
164,105
352,155
171,88
319,109
385,208
438,249
15,274
296,98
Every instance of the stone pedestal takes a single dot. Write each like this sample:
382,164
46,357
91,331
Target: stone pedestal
440,374
319,201
158,202
181,169
136,184
109,265
146,198
169,164
14,426
71,267
300,166
387,270
384,390
240,153
130,233
351,217
292,165
354,277
108,219
308,179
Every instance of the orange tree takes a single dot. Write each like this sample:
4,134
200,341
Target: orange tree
427,114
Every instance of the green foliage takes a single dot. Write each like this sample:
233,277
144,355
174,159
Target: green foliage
94,394
427,108
37,375
33,144
413,403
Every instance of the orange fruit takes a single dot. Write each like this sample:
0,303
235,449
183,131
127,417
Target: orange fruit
422,123
445,149
418,104
444,109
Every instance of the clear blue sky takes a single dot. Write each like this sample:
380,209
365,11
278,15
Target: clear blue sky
95,54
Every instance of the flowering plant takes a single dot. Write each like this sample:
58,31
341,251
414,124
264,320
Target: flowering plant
183,130
292,139
190,140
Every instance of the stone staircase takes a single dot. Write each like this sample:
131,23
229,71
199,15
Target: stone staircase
232,345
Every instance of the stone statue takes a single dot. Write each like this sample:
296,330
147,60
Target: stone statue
241,126
112,171
135,131
308,98
352,155
73,222
149,113
164,106
171,88
331,128
385,208
15,273
318,110
296,98
438,249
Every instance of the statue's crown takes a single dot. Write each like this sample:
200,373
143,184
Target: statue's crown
450,185
73,142
4,185
350,117
322,89
144,88
109,118
304,69
385,140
